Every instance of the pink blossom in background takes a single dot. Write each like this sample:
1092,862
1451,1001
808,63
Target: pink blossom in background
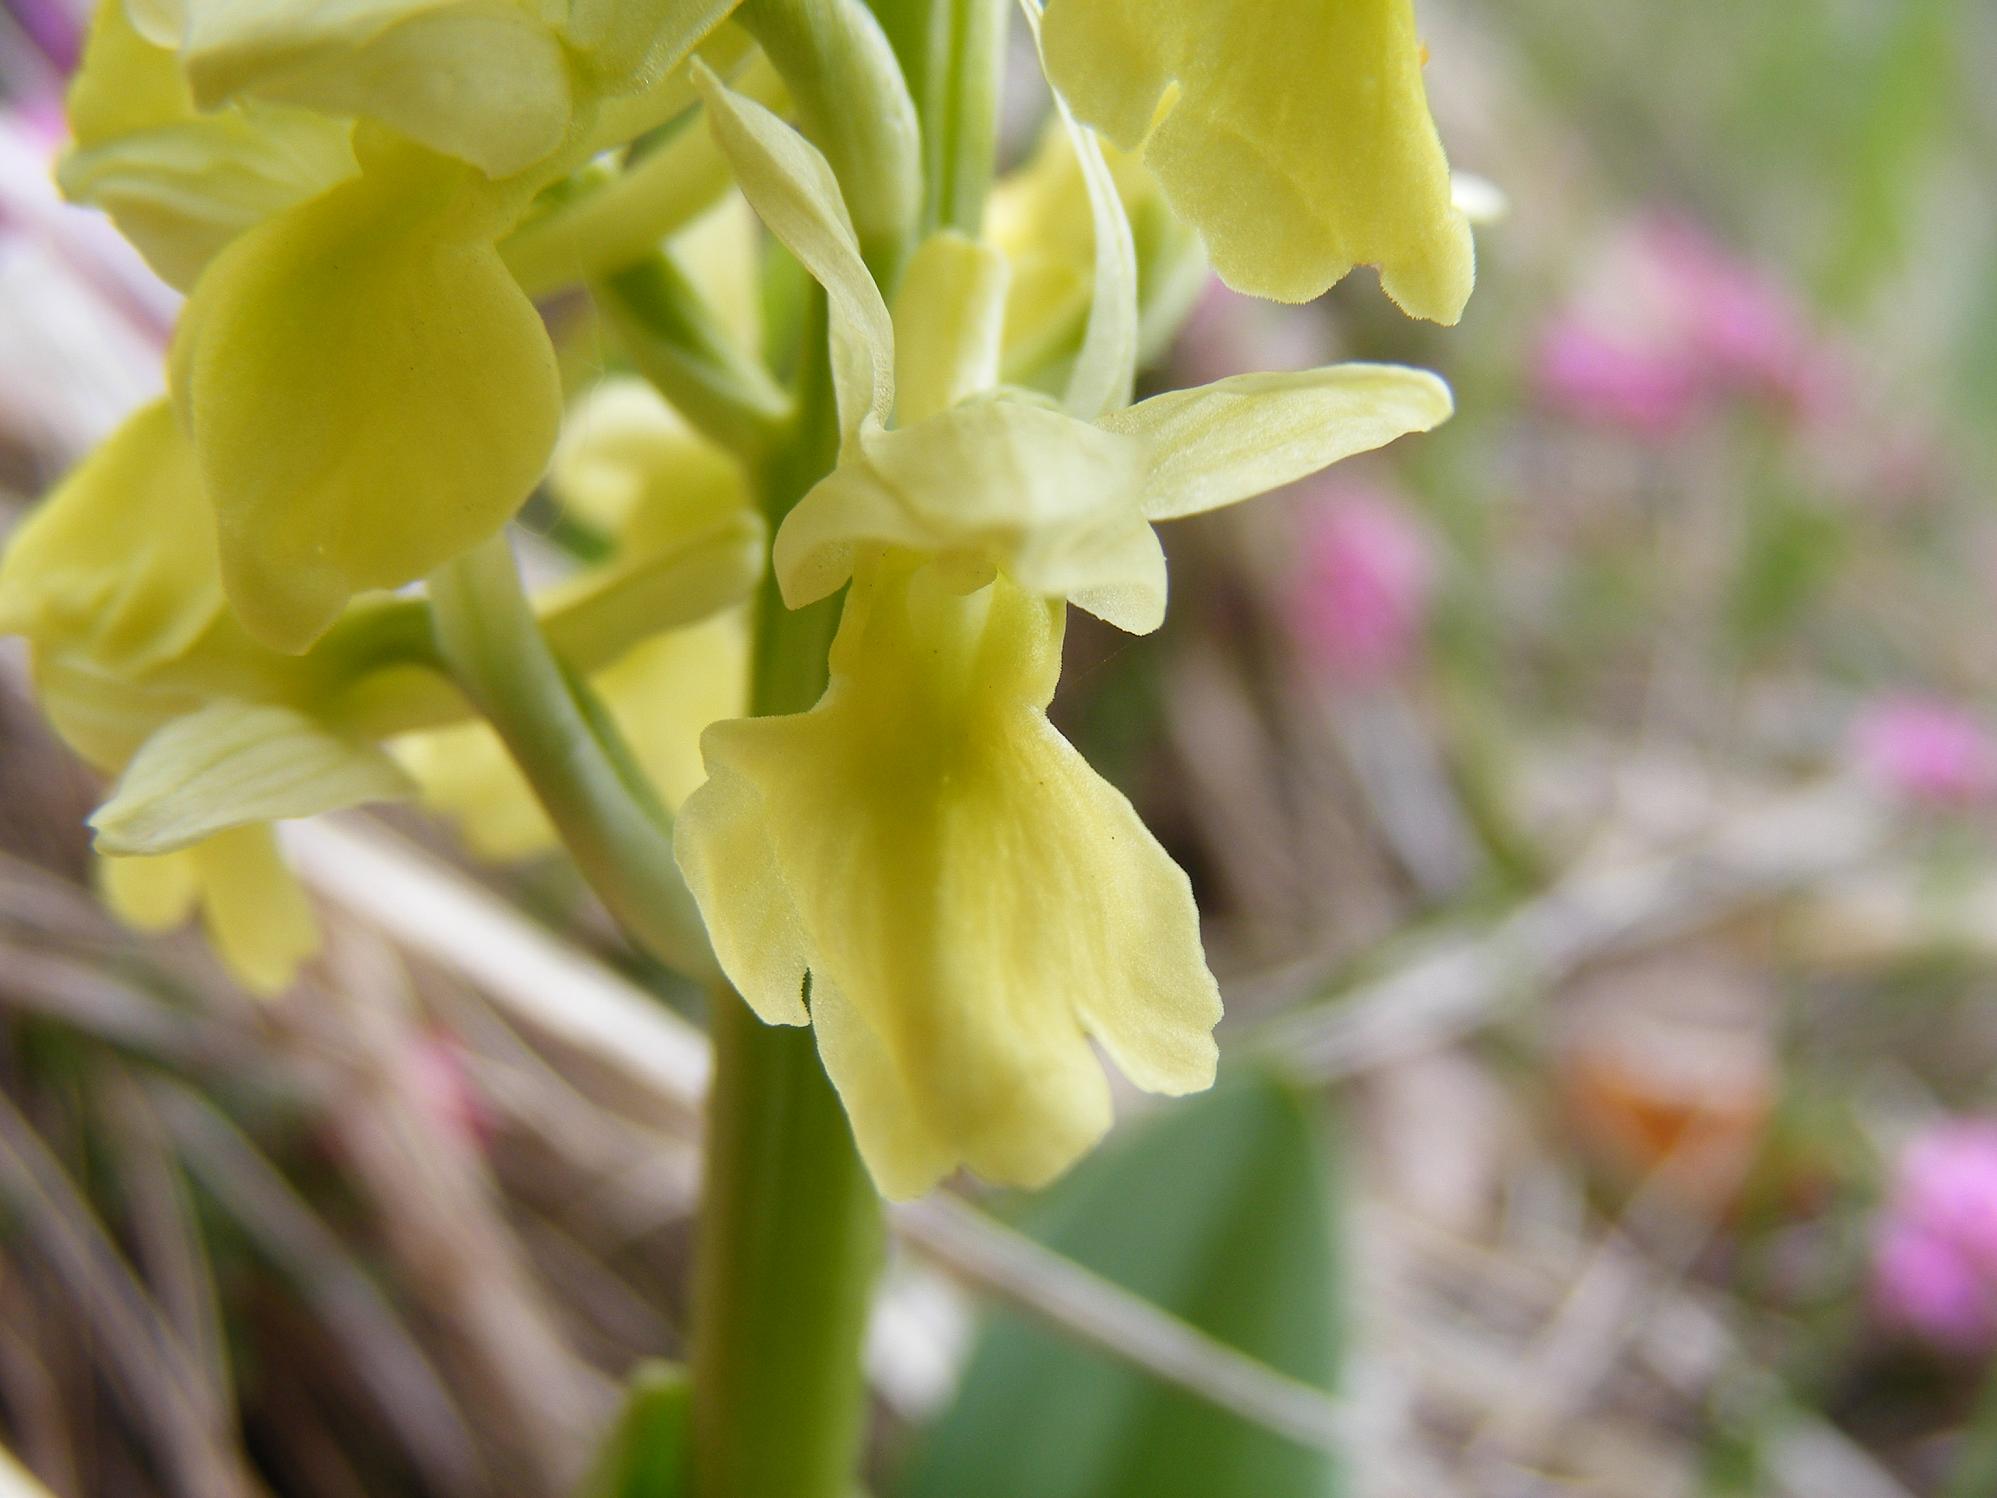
1228,333
1934,1257
442,1082
1673,322
1360,596
1927,750
55,27
1616,381
1747,329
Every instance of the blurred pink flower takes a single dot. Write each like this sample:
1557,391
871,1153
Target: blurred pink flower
1934,1258
1927,750
1361,592
56,27
1749,331
442,1082
1228,333
1673,321
1597,376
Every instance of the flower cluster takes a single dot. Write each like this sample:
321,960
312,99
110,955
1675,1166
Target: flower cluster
363,203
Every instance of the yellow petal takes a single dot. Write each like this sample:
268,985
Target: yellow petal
971,901
623,39
119,562
1222,443
483,80
180,185
149,894
1295,137
256,916
997,484
369,392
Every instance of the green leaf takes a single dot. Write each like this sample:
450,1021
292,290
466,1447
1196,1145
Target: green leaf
234,763
645,1454
1217,1210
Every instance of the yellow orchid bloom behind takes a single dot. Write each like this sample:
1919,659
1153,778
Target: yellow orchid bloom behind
920,867
113,582
1295,136
368,391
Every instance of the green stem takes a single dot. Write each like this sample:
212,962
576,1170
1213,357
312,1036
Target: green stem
619,835
790,1228
853,104
953,52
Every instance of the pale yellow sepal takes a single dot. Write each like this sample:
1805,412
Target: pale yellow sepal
256,917
1042,218
627,42
1295,136
181,184
971,902
1105,370
232,763
368,390
1222,443
793,190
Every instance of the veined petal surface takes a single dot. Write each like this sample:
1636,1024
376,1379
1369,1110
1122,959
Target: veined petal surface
970,901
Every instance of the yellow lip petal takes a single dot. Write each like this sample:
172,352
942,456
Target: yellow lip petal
971,901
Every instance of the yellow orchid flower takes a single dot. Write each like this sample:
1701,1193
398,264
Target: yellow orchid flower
927,873
919,866
113,581
368,389
1295,137
497,83
178,182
